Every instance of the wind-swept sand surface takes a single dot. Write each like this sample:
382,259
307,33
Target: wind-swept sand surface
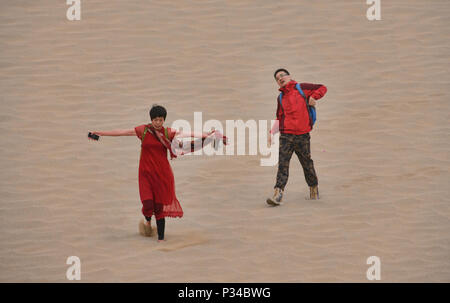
380,146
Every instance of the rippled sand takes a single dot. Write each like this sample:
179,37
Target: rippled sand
380,146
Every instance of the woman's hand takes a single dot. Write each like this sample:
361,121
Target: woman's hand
312,102
219,136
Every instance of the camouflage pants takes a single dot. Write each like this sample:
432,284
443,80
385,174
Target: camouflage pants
300,144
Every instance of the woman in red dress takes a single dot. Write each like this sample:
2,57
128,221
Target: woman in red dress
156,180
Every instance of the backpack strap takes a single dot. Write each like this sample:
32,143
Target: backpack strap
145,132
301,91
166,133
280,97
311,109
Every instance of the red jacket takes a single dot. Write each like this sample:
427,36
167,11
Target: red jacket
293,115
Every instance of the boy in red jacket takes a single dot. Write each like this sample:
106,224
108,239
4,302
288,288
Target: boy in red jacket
294,124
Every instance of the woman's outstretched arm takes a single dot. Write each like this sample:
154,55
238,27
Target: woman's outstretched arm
117,132
203,136
181,134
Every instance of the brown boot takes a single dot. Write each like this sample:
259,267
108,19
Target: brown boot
277,197
314,192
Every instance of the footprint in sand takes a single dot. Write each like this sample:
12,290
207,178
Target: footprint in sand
176,242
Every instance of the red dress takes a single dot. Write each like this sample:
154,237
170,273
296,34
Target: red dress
156,180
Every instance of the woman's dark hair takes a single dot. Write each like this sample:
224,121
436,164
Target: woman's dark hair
280,70
158,111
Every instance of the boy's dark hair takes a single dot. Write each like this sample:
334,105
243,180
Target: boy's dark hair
280,70
158,111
